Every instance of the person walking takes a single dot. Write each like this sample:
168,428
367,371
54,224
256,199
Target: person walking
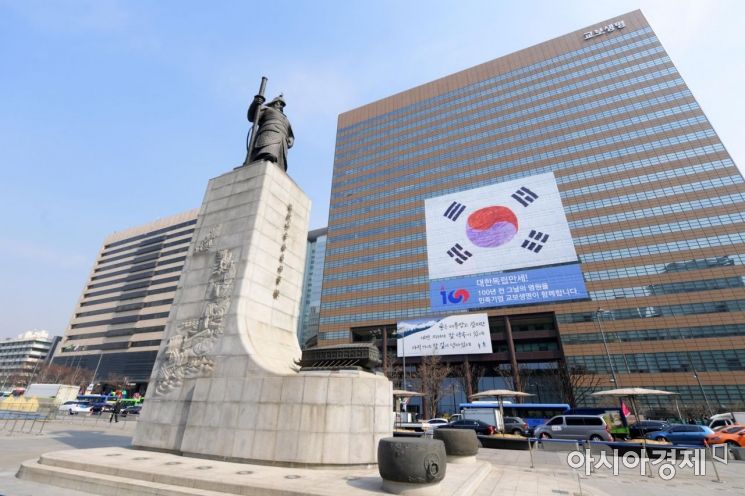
115,411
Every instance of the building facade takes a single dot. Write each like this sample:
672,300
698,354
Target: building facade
118,323
21,357
310,304
653,201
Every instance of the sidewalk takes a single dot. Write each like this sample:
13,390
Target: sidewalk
509,474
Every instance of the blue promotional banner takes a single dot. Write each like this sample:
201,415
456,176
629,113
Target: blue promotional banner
502,289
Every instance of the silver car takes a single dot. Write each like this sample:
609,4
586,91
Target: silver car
578,427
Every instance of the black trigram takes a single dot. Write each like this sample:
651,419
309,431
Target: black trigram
535,241
454,211
524,196
459,254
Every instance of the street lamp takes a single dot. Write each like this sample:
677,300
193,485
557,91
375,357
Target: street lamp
599,319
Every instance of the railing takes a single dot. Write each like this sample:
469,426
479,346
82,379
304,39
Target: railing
29,419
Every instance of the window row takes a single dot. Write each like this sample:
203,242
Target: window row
654,194
648,363
121,320
489,164
404,161
670,227
151,241
645,213
454,126
669,288
687,244
130,296
125,308
115,332
137,285
135,277
646,312
146,258
384,120
488,169
668,334
151,233
664,268
139,268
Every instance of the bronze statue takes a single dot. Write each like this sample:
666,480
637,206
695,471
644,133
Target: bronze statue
271,135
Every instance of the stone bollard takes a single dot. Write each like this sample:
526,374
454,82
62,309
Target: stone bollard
738,453
411,466
461,445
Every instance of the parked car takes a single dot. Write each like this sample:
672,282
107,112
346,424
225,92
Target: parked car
592,427
516,425
73,407
434,423
682,434
734,435
131,410
479,426
644,427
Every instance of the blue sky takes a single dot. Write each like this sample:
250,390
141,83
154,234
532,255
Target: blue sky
115,113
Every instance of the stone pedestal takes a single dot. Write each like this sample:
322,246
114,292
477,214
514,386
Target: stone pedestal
225,384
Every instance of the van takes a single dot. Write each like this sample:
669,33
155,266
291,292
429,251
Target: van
576,427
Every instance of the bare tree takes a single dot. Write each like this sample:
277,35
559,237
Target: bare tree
470,375
431,372
577,384
392,369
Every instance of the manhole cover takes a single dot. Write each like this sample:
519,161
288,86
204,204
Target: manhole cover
293,476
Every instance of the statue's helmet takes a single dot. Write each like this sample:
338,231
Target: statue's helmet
280,99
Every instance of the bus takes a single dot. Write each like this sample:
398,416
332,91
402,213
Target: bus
534,414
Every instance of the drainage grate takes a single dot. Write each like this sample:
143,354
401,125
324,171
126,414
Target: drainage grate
204,467
293,476
245,472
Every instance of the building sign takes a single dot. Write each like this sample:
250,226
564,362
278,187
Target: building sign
488,237
522,287
452,335
605,29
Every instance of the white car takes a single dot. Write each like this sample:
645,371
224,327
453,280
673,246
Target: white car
434,423
73,407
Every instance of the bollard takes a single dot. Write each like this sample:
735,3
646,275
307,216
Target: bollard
413,466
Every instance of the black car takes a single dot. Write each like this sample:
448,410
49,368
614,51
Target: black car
516,425
644,427
479,426
99,408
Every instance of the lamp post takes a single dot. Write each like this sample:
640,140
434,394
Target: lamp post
599,318
695,374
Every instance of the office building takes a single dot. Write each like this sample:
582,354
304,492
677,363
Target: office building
573,191
310,304
21,358
118,323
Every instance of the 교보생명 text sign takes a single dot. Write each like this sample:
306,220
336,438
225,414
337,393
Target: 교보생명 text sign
451,335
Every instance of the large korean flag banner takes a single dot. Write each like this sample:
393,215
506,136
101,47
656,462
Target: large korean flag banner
509,225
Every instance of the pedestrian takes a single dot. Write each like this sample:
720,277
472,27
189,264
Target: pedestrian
115,411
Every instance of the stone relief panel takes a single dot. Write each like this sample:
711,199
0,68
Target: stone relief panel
187,352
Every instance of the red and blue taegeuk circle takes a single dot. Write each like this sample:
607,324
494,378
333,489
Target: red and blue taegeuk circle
490,227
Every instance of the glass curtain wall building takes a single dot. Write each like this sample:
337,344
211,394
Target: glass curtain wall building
118,323
310,304
653,201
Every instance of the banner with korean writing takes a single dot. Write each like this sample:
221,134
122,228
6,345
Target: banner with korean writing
520,287
452,335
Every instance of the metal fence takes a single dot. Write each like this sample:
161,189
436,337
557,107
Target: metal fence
28,419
